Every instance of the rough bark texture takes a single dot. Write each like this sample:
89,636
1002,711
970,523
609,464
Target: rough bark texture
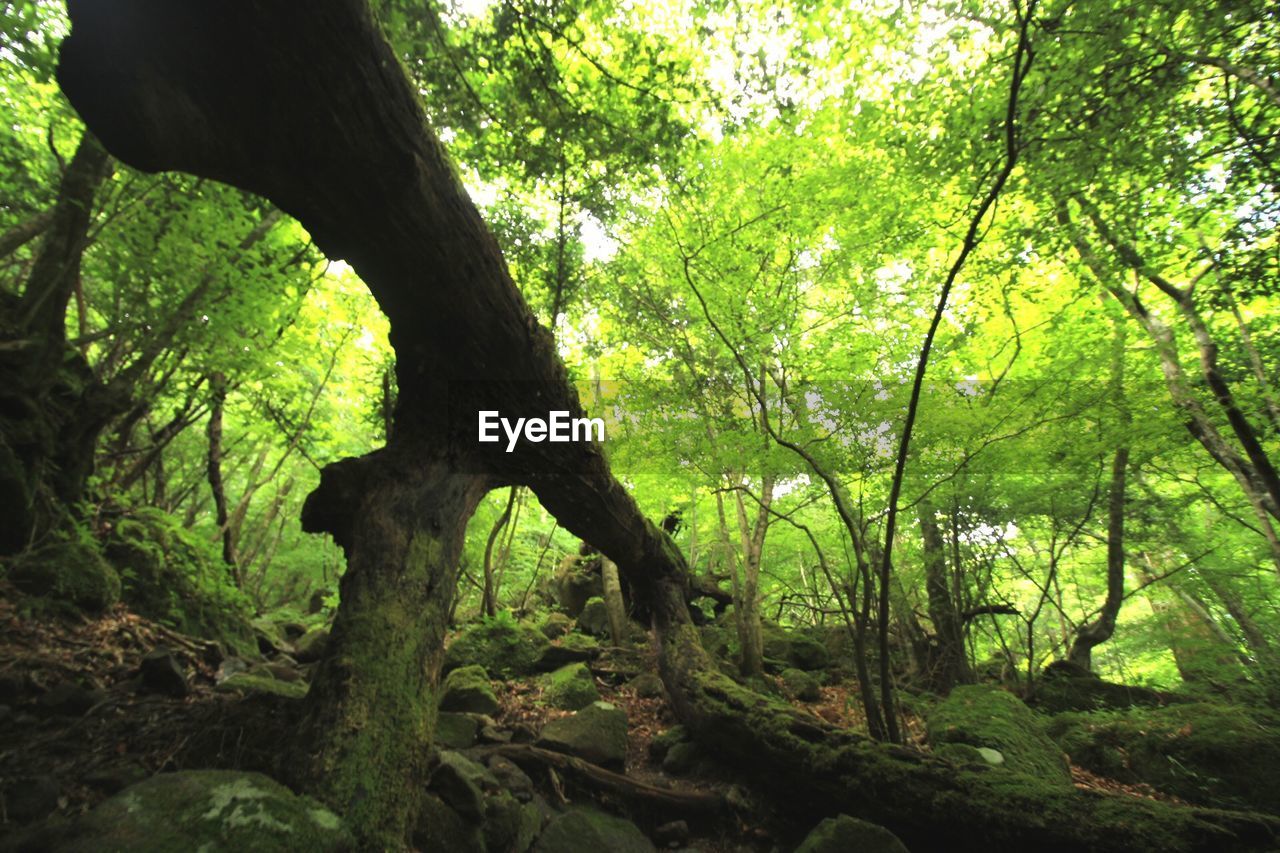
951,664
314,112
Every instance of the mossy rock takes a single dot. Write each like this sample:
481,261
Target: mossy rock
570,687
597,733
1064,686
440,829
594,618
461,783
798,684
662,743
571,648
1205,753
243,682
556,625
208,810
807,653
647,685
509,826
310,646
72,572
842,834
590,831
176,578
502,647
468,689
986,716
456,731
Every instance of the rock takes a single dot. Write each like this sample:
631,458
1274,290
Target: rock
570,687
310,647
268,636
647,685
1064,686
207,810
512,778
662,743
556,625
1206,753
672,834
161,673
806,653
577,581
594,618
492,734
798,684
467,689
250,684
31,798
597,733
718,641
992,756
115,778
572,648
503,648
68,699
278,671
456,731
681,758
440,829
509,826
985,716
291,629
72,571
590,831
844,834
461,783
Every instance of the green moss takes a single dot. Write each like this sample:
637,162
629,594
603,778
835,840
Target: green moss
208,810
799,684
172,576
570,687
71,571
985,716
243,682
1205,753
467,689
504,648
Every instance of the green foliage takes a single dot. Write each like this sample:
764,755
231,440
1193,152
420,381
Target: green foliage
68,570
170,575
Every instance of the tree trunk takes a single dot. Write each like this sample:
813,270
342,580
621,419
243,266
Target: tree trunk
613,601
952,666
747,609
489,593
401,520
213,468
315,112
1100,630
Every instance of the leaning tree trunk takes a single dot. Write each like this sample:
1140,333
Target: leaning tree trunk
315,112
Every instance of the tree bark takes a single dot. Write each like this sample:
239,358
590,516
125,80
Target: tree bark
951,662
213,469
613,601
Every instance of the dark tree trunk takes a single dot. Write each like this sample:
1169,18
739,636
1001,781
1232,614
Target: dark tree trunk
315,112
1100,630
951,664
213,470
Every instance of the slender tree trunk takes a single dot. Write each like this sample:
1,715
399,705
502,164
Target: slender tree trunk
489,596
952,663
213,467
748,607
24,232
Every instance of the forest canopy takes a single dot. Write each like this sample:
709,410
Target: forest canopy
935,344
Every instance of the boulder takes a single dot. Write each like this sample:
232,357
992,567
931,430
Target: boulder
571,687
556,625
509,825
843,834
647,685
807,653
798,684
504,648
985,716
590,831
161,673
512,778
682,758
207,810
248,684
594,618
571,648
1205,753
456,731
467,689
577,581
73,572
461,783
440,829
597,733
662,743
310,647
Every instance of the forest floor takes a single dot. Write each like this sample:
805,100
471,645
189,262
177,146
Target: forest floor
77,724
